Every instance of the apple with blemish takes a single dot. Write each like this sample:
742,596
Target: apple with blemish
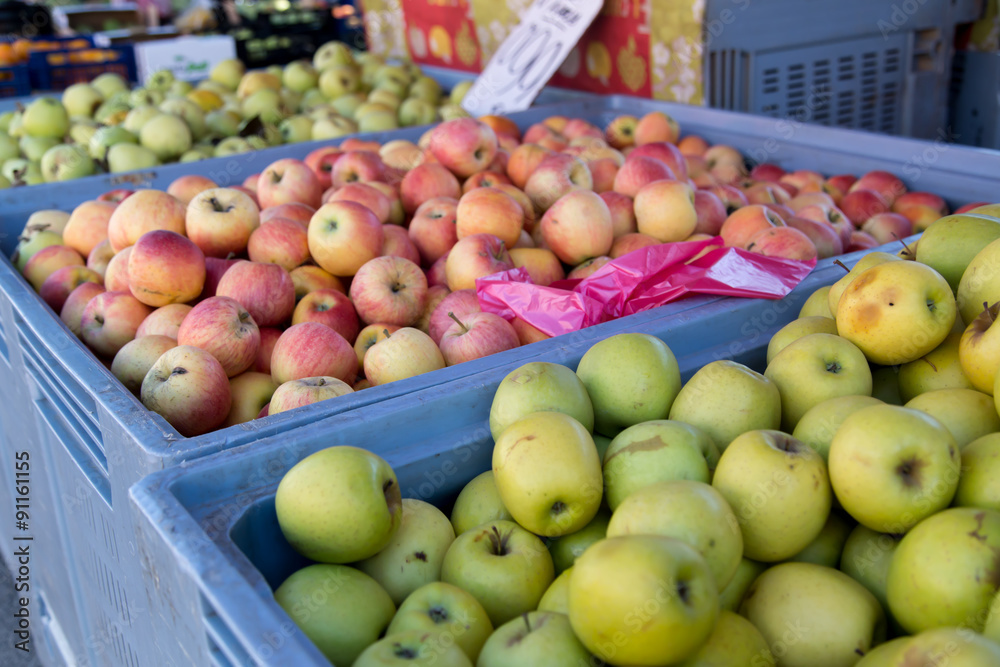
165,267
265,290
188,387
744,223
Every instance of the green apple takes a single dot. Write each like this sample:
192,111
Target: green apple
818,426
735,641
412,647
458,92
194,155
989,210
191,113
138,117
339,80
82,130
312,99
692,512
416,111
657,451
342,610
108,84
951,242
540,386
815,368
8,148
868,261
295,129
731,597
19,170
891,467
452,111
940,368
6,118
814,615
332,54
642,600
130,157
377,121
145,97
897,312
47,219
567,548
346,105
413,557
602,442
265,104
45,117
339,505
966,413
556,597
332,127
796,329
27,247
818,304
228,73
15,128
478,503
725,399
954,647
991,630
65,163
33,148
631,378
980,283
447,610
502,565
232,146
979,348
167,135
386,97
112,112
779,490
826,548
536,639
160,80
392,74
979,483
944,570
885,386
4,183
886,654
81,99
223,123
425,88
546,469
180,89
106,137
300,76
866,558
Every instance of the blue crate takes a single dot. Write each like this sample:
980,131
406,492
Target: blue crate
57,70
14,81
209,539
102,440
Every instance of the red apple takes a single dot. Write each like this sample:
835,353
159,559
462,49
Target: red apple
389,289
837,186
861,241
100,256
221,220
343,236
489,211
186,187
588,268
164,321
428,181
224,328
475,336
286,181
475,257
398,244
767,172
463,145
799,202
826,239
710,211
250,183
110,320
88,226
523,161
433,228
668,154
746,222
461,303
311,349
622,213
804,180
321,162
304,391
72,311
60,284
526,333
215,268
165,267
366,195
116,275
266,290
731,196
331,308
357,166
666,211
920,208
888,227
640,171
882,182
115,196
541,264
860,204
300,213
969,207
143,212
279,241
657,126
555,176
47,261
623,245
785,242
437,273
268,337
188,387
484,179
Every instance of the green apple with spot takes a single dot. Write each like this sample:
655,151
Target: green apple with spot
779,490
265,104
232,146
556,597
28,246
339,80
478,503
413,647
868,261
506,568
339,505
630,378
300,76
414,555
81,99
441,608
796,329
731,597
223,123
949,244
692,512
815,368
160,80
332,54
346,105
106,137
145,97
892,466
941,573
829,544
65,163
817,615
565,549
941,368
966,413
725,399
8,148
349,616
980,283
536,639
386,97
955,647
539,386
547,472
295,129
332,127
656,451
979,483
821,422
19,170
979,348
735,641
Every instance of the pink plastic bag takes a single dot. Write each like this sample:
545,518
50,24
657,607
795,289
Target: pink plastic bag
643,279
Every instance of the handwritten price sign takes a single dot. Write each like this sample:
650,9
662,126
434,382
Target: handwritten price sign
530,55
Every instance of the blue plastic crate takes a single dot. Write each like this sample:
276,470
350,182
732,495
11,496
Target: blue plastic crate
57,70
102,440
14,81
209,539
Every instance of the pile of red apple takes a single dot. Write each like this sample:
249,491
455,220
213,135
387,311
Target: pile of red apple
357,266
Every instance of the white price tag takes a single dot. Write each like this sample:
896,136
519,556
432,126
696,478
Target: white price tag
189,58
530,55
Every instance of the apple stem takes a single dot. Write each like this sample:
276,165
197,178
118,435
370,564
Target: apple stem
452,316
930,363
841,265
386,332
905,247
527,623
986,307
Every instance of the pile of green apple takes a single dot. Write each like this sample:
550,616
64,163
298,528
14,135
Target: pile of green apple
103,126
840,508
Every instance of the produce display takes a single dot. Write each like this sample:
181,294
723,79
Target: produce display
103,126
358,266
838,509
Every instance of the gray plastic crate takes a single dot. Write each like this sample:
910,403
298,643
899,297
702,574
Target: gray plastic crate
975,107
882,66
101,440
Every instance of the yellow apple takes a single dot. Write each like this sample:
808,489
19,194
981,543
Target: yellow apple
567,548
866,558
966,413
956,647
731,597
826,548
863,264
896,312
951,242
478,503
796,329
979,484
940,368
818,304
891,467
779,491
548,474
735,641
538,386
443,609
818,426
556,597
979,349
980,282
